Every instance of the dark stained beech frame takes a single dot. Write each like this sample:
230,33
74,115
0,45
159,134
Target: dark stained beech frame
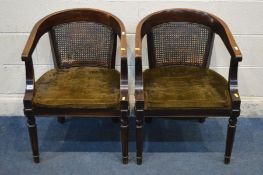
218,27
44,26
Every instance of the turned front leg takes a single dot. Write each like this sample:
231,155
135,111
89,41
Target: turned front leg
231,130
124,135
139,135
32,130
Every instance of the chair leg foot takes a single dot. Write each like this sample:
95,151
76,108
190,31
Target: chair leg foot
115,120
148,119
139,160
125,160
32,130
36,159
227,160
139,135
231,130
201,120
124,136
61,119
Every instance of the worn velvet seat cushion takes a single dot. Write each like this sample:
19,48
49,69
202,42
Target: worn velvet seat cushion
78,87
175,87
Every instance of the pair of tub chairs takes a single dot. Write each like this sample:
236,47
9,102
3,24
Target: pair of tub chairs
178,83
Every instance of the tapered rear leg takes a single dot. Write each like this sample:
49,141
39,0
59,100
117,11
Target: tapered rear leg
115,120
61,119
202,120
148,119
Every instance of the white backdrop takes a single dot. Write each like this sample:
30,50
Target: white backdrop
244,17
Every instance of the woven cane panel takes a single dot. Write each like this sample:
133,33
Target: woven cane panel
180,43
83,43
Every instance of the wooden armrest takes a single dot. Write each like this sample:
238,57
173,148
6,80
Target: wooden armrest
30,46
30,82
236,56
139,94
233,85
124,88
223,31
36,33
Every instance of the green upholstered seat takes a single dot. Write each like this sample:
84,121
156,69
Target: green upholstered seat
189,87
78,87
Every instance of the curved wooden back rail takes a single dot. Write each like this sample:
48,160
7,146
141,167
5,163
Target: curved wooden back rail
187,15
73,15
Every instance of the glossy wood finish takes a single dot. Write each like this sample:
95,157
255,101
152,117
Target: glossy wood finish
218,27
44,26
124,135
32,130
231,130
139,134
